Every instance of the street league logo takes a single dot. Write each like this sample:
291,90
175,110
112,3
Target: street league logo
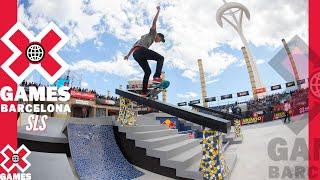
34,53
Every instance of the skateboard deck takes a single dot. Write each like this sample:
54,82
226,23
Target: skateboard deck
158,88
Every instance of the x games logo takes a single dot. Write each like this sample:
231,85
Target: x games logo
34,53
15,158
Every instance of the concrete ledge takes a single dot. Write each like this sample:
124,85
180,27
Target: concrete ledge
52,134
49,166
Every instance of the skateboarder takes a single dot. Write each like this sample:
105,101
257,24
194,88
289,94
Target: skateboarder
142,53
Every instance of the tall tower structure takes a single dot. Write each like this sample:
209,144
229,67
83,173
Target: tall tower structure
250,71
293,64
232,13
203,83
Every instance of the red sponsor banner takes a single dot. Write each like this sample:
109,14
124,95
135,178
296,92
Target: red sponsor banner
314,90
82,95
259,90
299,110
8,128
293,112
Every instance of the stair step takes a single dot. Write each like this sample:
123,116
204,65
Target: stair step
225,146
161,141
148,128
190,124
187,123
194,167
121,128
142,120
192,172
184,159
196,127
229,136
138,128
147,121
151,134
231,159
143,117
168,151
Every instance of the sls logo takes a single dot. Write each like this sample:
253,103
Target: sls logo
15,159
34,53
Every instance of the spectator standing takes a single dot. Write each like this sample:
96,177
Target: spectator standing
84,112
287,108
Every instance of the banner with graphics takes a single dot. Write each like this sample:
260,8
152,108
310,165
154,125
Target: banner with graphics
277,114
82,95
290,84
275,87
259,90
228,96
210,99
252,120
244,93
170,122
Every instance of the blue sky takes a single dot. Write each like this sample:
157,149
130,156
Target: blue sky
102,32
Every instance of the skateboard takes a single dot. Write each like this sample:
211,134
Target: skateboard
158,88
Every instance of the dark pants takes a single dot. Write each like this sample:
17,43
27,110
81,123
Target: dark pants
287,117
142,56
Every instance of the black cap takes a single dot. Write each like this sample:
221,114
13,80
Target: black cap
161,37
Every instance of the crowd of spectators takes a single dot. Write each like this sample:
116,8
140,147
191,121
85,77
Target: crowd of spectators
299,98
262,104
27,84
268,103
84,90
232,108
107,97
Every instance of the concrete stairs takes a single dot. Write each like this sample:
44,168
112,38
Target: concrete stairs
174,150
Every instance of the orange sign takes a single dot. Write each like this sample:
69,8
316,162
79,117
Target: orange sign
259,90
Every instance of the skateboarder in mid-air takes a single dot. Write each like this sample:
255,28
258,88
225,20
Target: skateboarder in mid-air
142,53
